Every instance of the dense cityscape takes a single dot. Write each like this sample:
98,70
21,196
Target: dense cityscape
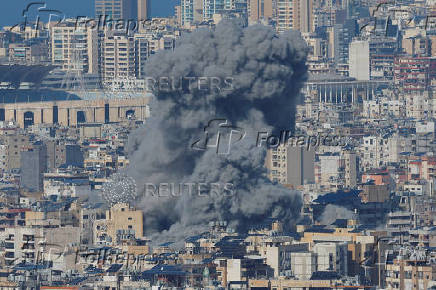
238,144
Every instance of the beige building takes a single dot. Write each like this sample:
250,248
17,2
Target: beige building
73,113
303,15
332,257
122,223
285,284
118,58
74,48
284,15
37,244
144,9
412,274
278,256
260,9
291,165
303,264
417,45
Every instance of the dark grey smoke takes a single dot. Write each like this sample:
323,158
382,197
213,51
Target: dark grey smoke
333,212
267,73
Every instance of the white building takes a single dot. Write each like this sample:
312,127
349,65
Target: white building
303,264
332,257
74,48
359,60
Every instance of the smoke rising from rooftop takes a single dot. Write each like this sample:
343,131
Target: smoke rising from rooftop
333,212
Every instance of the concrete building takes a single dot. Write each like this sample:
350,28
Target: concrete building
351,168
239,271
118,58
142,53
340,37
73,155
28,54
116,9
191,11
374,193
211,7
74,49
260,10
291,165
122,223
413,74
332,257
3,158
55,154
372,152
303,15
284,15
303,264
359,60
88,216
410,273
328,171
144,9
417,45
14,143
33,166
278,258
73,113
33,245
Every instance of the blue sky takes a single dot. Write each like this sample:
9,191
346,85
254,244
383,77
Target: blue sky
11,10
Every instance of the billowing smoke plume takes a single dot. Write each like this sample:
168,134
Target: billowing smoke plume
333,212
249,77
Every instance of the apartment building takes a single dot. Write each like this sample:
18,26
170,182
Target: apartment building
284,15
115,9
291,165
332,257
36,245
413,74
122,223
118,58
303,15
407,272
14,144
144,9
260,10
28,54
329,173
191,11
74,49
